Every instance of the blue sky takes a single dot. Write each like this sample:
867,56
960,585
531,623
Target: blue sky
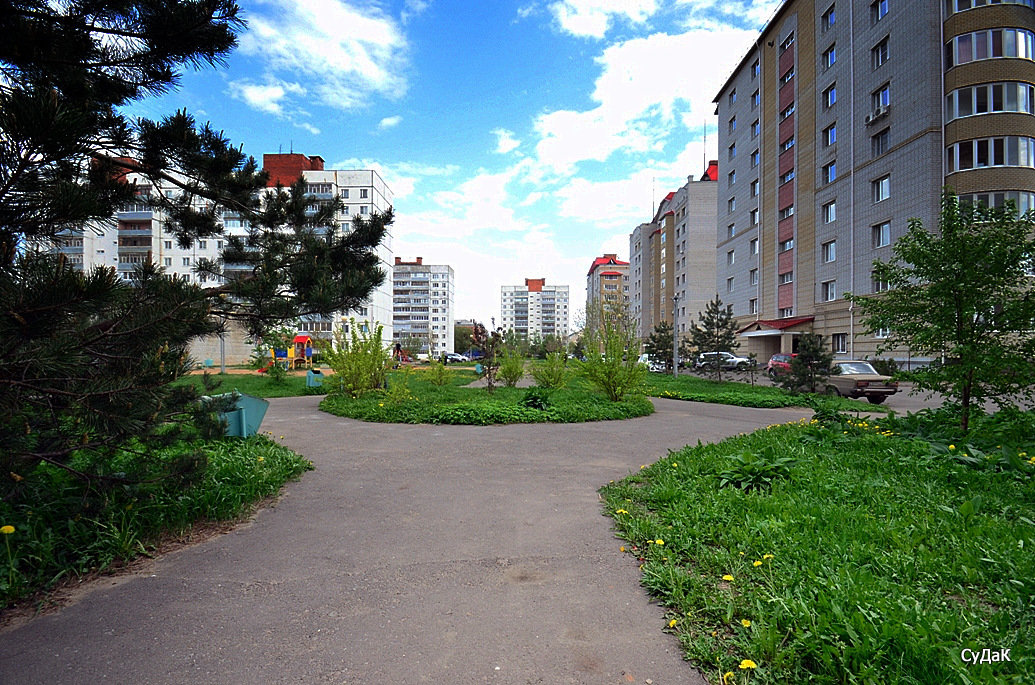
521,139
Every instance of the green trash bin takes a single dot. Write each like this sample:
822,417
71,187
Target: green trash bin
244,419
314,378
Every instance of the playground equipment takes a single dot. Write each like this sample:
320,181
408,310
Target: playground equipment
297,355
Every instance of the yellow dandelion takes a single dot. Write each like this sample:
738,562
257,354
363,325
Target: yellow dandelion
714,633
622,548
621,511
262,459
282,437
952,447
746,623
672,623
767,556
757,563
727,677
380,404
748,663
727,577
675,464
659,541
7,530
643,466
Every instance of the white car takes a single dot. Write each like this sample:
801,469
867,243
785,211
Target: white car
726,360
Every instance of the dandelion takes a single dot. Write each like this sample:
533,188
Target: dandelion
621,511
643,466
746,623
261,459
622,548
659,541
675,464
952,447
767,556
748,663
727,677
727,577
381,404
282,437
672,623
757,563
7,530
714,633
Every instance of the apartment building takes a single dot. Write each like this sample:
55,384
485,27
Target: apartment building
607,280
423,307
535,309
843,122
672,257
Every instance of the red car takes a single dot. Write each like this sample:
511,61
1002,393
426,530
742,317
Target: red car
779,363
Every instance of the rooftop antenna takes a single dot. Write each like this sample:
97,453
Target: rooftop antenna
292,148
704,148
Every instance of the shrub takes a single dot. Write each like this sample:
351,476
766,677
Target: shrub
612,364
535,398
756,471
359,358
553,373
437,374
512,369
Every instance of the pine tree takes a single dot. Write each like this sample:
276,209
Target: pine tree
810,367
717,331
87,359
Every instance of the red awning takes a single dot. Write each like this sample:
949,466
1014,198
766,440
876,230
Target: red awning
775,324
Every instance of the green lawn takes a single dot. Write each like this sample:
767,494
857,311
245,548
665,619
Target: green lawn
256,384
413,398
696,389
870,558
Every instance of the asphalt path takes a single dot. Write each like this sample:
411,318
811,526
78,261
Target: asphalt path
412,554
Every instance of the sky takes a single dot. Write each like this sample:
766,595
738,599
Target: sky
520,139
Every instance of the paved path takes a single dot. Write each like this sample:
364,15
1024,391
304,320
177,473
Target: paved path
413,554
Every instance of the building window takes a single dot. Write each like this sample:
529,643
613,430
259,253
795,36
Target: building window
731,205
787,112
732,151
786,212
878,285
754,159
830,135
186,261
1023,202
879,54
878,9
839,343
829,56
787,245
881,188
345,193
753,247
986,152
733,96
729,284
787,145
202,244
882,234
882,333
753,276
830,212
168,244
730,257
731,230
786,312
731,178
787,43
829,291
829,251
828,18
786,278
362,209
756,100
879,142
787,77
881,97
733,124
362,193
990,44
754,188
756,128
168,261
788,177
990,97
756,69
753,306
830,172
754,217
830,96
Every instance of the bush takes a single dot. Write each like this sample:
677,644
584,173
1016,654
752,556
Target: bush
437,374
536,398
553,373
512,369
359,359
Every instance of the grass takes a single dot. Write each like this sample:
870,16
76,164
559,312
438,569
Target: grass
413,398
696,389
257,384
839,552
64,529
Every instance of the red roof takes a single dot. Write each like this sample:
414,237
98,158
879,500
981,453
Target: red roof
712,172
779,324
303,339
610,273
606,259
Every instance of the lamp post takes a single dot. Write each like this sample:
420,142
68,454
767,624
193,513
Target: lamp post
675,336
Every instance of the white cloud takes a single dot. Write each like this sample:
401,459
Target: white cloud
505,141
592,18
348,54
266,97
413,8
389,122
751,14
647,89
308,127
402,178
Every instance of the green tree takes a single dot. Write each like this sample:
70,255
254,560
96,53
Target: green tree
715,331
612,362
87,359
462,338
658,345
358,358
810,368
962,294
492,346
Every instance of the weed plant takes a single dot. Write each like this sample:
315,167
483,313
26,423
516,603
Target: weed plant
455,404
695,389
872,557
64,528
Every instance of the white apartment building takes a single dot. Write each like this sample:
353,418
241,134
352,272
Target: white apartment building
423,307
535,309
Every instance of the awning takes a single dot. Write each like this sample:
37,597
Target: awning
775,327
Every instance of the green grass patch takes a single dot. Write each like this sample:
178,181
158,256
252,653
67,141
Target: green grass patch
257,384
412,398
839,552
64,529
696,389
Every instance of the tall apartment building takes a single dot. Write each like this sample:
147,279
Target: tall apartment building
423,307
607,280
535,309
843,122
672,258
363,192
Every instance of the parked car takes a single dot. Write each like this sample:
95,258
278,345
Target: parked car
779,363
857,379
453,358
726,360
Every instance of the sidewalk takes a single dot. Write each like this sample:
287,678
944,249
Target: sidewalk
439,554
